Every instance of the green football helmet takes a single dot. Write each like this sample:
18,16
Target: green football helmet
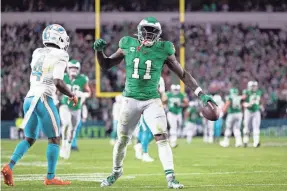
73,67
233,91
149,31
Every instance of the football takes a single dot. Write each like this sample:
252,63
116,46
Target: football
210,111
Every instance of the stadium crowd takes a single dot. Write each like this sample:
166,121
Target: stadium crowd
217,55
137,5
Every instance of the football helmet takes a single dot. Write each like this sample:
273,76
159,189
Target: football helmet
149,31
73,67
57,35
175,89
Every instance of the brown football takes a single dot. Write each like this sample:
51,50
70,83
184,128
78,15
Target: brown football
210,111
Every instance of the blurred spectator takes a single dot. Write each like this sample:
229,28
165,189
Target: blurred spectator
137,5
218,56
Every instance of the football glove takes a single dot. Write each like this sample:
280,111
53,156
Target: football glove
73,99
206,98
99,44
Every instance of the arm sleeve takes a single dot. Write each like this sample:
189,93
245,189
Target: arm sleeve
161,87
59,68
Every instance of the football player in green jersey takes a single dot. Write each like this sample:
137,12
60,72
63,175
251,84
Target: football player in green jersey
252,115
192,120
145,57
71,114
175,102
234,118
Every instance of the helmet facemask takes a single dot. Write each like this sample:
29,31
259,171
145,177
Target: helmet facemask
73,68
175,89
148,35
149,31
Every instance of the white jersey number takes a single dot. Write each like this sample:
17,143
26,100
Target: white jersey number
136,75
236,101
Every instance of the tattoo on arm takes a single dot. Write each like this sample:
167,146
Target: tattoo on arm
186,77
107,62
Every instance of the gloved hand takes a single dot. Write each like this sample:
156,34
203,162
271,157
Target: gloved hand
205,98
73,99
99,45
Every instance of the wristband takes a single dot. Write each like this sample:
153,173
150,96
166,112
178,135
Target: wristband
197,91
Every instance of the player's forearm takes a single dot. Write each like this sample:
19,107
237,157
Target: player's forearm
189,81
63,88
107,62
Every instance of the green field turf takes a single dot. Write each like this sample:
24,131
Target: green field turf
198,166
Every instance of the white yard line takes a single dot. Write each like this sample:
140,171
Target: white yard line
163,187
97,177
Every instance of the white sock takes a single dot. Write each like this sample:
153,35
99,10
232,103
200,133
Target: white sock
166,158
255,140
119,152
188,139
238,140
245,139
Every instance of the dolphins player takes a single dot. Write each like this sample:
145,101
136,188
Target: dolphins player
48,66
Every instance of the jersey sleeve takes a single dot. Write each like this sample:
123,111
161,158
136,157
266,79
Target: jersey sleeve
169,48
60,66
85,78
123,43
245,92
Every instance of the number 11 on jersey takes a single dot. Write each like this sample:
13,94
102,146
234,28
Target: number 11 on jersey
136,75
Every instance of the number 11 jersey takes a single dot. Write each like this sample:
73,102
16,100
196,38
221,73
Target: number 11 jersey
143,67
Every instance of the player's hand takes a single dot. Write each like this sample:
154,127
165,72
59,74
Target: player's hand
99,45
206,98
74,99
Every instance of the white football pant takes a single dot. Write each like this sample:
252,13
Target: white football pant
252,121
175,122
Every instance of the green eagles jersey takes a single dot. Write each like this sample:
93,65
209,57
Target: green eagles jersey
144,67
76,85
193,116
253,98
235,103
174,102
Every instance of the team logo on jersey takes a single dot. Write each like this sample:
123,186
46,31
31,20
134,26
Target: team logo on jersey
132,49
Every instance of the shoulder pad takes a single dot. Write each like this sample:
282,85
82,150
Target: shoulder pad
245,91
84,77
36,51
63,55
169,48
123,43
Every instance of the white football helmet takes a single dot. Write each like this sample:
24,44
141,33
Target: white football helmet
73,67
252,85
175,89
57,35
249,85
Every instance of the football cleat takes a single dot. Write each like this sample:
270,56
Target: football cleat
111,179
174,184
75,148
256,145
8,175
147,158
55,181
224,144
